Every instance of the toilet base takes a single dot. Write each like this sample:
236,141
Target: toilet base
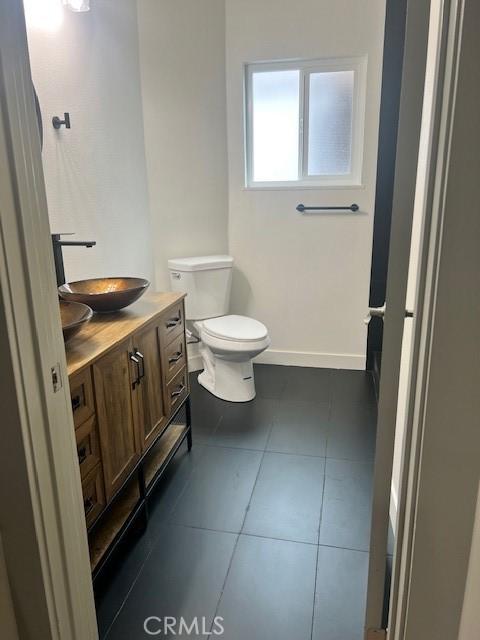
227,380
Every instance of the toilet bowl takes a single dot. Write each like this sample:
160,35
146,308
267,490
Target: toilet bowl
228,346
227,343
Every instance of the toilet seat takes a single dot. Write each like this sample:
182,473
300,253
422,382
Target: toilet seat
235,329
228,345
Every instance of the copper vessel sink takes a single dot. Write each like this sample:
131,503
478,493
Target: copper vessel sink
104,294
73,315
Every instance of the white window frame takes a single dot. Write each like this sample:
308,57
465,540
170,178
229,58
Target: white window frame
306,67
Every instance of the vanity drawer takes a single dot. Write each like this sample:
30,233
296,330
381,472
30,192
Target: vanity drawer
81,393
174,357
177,391
172,323
87,446
93,494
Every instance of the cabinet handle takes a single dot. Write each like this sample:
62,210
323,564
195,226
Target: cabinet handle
178,392
88,505
142,360
134,359
82,454
176,357
173,322
76,401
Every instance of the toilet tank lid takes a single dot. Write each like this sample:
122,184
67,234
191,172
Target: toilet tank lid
200,263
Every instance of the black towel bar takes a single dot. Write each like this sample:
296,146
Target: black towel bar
301,208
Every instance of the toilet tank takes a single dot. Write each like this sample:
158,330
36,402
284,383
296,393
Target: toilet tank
207,281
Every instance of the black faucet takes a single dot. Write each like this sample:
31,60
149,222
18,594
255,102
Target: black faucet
57,244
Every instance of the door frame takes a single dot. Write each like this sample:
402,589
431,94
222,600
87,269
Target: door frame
44,539
42,522
437,508
409,127
435,527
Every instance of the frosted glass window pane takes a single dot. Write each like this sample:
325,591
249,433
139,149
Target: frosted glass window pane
276,107
330,123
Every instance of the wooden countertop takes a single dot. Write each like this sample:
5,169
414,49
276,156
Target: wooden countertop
106,330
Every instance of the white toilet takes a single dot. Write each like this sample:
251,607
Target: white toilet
228,342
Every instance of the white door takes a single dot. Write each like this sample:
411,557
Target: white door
426,73
44,543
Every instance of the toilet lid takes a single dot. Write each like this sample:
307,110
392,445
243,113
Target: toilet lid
237,328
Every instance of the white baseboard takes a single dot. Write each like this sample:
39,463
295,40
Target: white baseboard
312,359
295,359
195,362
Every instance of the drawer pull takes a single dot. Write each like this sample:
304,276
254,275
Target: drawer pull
178,391
142,361
176,357
76,402
173,322
88,505
134,359
82,454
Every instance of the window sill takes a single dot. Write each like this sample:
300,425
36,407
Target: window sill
304,187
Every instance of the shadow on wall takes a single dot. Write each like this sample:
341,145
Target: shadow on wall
241,292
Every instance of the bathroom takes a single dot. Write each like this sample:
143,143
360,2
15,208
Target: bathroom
259,520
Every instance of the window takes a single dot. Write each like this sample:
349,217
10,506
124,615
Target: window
304,123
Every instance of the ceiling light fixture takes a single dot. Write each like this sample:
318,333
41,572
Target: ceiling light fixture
77,5
46,15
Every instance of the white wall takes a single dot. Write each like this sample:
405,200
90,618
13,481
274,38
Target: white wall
95,173
182,55
307,278
290,269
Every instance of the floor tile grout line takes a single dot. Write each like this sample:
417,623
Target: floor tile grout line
272,424
287,453
270,431
180,495
225,581
152,540
219,422
283,453
329,425
243,533
318,551
152,544
134,582
237,541
333,546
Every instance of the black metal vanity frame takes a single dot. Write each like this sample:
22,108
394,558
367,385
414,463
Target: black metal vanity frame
140,512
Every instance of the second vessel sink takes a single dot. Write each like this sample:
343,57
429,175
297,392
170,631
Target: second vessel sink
73,316
105,294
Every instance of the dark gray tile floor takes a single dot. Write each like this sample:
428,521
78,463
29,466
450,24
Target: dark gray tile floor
266,522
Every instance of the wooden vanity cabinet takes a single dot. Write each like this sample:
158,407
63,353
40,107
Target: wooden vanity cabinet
93,495
88,448
172,323
81,392
149,398
128,377
114,377
174,357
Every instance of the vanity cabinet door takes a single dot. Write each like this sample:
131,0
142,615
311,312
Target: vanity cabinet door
114,377
149,403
